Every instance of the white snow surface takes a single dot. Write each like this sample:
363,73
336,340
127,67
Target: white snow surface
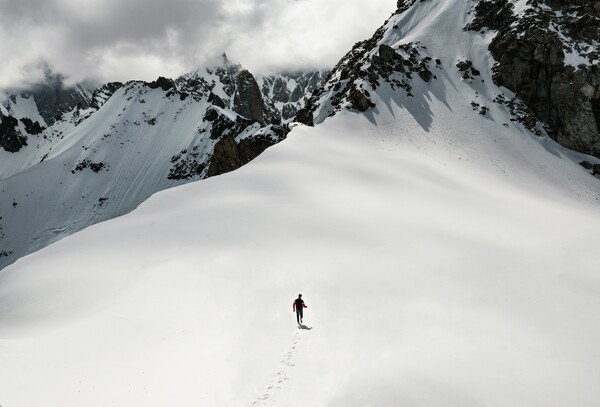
447,259
432,276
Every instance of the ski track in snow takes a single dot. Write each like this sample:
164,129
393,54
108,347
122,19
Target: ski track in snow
282,375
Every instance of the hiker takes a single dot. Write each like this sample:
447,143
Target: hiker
297,306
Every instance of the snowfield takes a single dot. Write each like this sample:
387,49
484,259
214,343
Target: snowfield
448,259
430,279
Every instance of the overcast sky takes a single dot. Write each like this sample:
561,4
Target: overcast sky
111,40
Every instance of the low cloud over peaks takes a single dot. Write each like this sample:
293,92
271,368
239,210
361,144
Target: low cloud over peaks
141,39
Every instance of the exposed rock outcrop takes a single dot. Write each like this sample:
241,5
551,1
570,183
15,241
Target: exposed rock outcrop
369,65
248,100
32,127
11,139
545,56
163,83
103,93
229,155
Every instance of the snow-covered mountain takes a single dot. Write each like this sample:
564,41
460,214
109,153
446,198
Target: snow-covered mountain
445,250
102,159
543,57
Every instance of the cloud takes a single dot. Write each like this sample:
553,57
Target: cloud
141,39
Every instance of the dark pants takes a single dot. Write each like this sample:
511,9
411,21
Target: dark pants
299,315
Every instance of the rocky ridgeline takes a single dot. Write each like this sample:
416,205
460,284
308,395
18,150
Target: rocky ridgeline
242,120
363,70
103,93
228,87
549,56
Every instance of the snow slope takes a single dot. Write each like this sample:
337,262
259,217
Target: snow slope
431,279
448,258
101,162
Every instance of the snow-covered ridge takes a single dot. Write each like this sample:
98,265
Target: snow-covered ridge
408,50
485,48
102,160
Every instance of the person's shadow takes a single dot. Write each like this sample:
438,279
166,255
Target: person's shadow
308,328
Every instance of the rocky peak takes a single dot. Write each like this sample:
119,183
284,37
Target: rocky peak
229,85
248,100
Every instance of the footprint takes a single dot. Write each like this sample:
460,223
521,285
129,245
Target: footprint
280,377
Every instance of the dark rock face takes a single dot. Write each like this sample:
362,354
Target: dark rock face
163,83
305,116
215,100
531,63
359,100
53,97
228,156
248,101
103,93
222,126
225,157
492,14
280,91
32,127
11,138
250,148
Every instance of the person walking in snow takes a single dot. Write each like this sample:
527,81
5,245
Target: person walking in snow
298,306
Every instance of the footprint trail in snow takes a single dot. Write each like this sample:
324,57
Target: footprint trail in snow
282,375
